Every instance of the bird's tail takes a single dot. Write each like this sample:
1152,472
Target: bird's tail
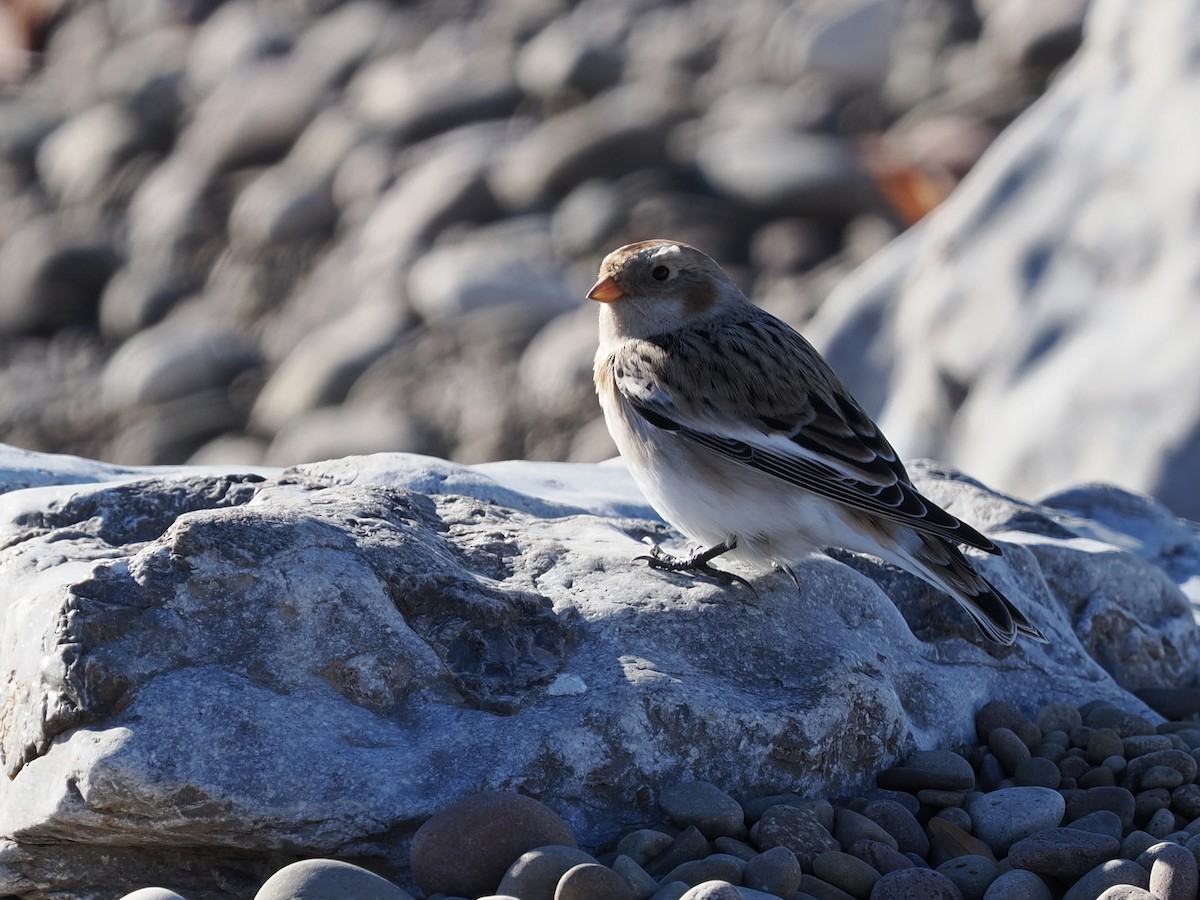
945,566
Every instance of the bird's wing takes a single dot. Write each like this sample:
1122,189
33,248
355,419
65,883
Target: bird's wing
790,419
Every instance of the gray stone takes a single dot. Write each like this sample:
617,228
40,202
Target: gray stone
1126,892
704,805
775,871
1173,871
1018,884
1102,821
639,881
1058,716
849,873
688,845
1114,799
712,890
535,874
1037,772
644,844
283,204
1007,815
591,881
908,883
850,827
929,769
1030,360
901,824
1062,852
1106,875
786,173
973,875
883,858
327,879
715,867
408,605
152,893
84,154
468,847
1008,748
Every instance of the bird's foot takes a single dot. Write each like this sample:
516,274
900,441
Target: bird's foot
697,563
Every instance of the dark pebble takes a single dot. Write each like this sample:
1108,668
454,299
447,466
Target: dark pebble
796,829
1062,852
1037,772
908,884
1115,799
1008,748
689,845
929,770
900,823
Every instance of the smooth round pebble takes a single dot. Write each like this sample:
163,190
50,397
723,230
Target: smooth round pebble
1058,717
467,847
1161,823
1115,799
880,857
1161,777
776,871
591,881
796,829
1062,852
1008,748
1141,744
972,874
900,824
1136,843
1173,871
849,826
672,890
1007,815
929,769
997,714
328,879
1037,772
536,873
704,805
1106,875
641,883
957,816
844,871
152,893
717,867
1126,892
1102,821
908,884
1104,742
644,845
712,890
1018,884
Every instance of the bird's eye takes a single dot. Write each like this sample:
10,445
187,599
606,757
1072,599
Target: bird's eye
660,273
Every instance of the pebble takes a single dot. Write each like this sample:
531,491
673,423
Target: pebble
153,893
644,844
850,827
1161,823
326,879
820,889
849,873
1115,799
1126,892
972,874
1010,814
1103,743
467,847
1173,871
908,884
535,874
687,846
1106,875
900,823
997,714
704,805
929,769
880,857
1102,821
1009,749
709,890
775,871
717,867
1018,884
796,829
591,881
1062,852
1037,772
635,876
1058,717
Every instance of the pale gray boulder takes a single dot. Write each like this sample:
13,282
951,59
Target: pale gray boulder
1039,328
206,665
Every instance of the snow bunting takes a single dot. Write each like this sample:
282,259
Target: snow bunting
744,439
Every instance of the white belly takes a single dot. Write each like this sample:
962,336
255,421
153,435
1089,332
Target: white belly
712,499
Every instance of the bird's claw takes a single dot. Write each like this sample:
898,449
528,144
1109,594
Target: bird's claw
697,563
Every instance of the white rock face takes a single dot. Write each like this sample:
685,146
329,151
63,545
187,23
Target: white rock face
1040,328
206,668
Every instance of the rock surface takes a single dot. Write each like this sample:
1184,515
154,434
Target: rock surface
314,661
1002,328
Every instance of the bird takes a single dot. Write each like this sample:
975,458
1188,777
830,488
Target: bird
743,438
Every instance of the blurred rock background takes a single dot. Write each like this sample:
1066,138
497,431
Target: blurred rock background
287,230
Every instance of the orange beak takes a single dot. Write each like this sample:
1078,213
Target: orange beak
606,291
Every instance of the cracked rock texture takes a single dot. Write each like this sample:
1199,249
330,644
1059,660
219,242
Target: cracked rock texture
208,673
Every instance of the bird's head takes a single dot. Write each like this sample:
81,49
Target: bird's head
655,286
